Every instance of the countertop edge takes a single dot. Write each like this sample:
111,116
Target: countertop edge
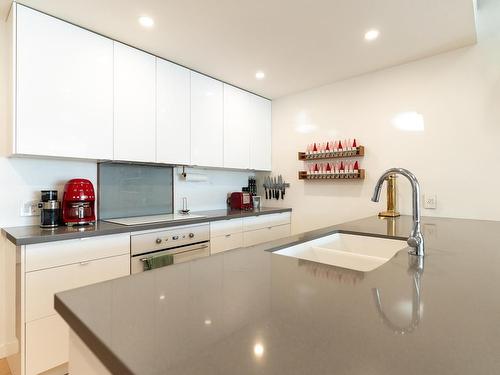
20,241
100,350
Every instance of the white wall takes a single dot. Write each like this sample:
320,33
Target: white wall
455,157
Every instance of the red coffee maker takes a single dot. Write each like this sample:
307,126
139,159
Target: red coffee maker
78,206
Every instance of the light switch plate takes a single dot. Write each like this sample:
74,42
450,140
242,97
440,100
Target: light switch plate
30,208
430,201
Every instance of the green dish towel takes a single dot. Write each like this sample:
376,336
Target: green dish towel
158,261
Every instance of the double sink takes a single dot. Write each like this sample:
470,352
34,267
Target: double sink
355,252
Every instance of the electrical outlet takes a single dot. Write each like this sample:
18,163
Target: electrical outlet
30,208
430,201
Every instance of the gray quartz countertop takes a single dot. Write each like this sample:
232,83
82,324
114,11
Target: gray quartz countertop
251,311
33,234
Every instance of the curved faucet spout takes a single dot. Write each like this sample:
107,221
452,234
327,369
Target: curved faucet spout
416,240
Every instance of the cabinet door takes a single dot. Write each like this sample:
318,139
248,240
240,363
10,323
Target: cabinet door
60,253
134,104
226,242
42,285
206,121
260,133
265,221
236,129
47,342
64,89
172,113
223,227
258,236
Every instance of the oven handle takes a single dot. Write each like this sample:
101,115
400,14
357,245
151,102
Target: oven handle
178,252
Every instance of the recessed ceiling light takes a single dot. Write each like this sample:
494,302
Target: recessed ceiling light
258,350
372,34
146,21
260,75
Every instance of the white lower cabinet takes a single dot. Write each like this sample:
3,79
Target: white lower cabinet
264,221
271,233
42,285
234,233
48,268
46,345
226,242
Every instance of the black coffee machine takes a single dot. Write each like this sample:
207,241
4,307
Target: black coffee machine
50,209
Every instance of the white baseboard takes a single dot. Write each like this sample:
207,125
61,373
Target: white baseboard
9,348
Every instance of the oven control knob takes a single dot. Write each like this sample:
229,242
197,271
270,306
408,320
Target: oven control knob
158,241
175,237
191,235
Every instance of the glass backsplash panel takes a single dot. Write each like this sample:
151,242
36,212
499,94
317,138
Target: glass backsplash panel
127,190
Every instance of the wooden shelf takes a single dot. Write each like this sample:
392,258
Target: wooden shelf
359,176
360,151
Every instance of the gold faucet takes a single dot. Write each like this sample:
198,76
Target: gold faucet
391,198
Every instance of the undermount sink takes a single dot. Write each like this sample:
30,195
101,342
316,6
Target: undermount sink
360,253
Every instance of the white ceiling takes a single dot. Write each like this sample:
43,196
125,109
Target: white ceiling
299,44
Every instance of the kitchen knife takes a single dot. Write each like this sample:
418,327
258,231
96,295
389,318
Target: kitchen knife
277,188
269,186
282,186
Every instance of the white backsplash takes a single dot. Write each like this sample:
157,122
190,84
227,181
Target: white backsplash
211,192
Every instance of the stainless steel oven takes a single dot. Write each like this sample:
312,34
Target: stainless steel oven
156,248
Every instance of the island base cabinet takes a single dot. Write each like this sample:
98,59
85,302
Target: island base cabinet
81,360
47,345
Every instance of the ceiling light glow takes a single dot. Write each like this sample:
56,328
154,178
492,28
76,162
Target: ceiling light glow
372,34
258,350
146,21
260,75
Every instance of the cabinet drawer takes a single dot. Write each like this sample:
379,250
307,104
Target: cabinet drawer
223,227
226,242
255,237
264,221
47,342
59,253
42,285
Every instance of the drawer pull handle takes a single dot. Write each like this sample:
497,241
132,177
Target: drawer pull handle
269,227
228,235
84,263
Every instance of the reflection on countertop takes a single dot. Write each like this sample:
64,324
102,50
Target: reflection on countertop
250,311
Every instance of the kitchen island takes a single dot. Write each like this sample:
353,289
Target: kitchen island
250,311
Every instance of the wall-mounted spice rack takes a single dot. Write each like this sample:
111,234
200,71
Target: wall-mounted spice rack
352,153
359,175
332,170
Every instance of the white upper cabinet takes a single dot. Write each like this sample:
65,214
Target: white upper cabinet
206,121
64,89
80,95
173,136
260,133
134,104
236,134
